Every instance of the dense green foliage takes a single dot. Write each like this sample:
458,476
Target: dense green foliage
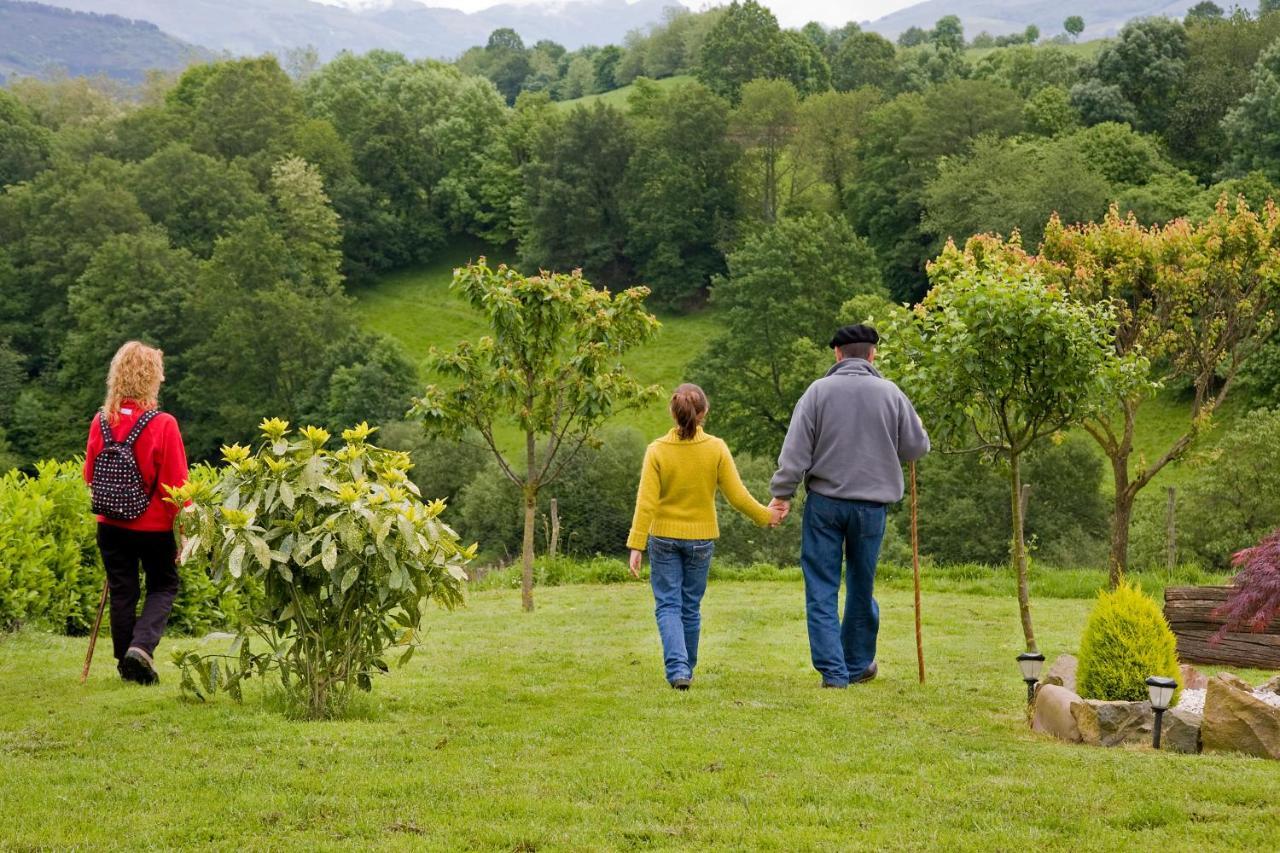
50,571
965,513
50,574
785,290
343,555
1126,640
1234,499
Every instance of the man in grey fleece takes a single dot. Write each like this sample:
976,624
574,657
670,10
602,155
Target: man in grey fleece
849,435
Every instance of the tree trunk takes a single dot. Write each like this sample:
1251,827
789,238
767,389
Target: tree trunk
553,548
526,575
1121,517
1020,553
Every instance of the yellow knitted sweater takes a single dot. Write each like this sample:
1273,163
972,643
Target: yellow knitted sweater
677,496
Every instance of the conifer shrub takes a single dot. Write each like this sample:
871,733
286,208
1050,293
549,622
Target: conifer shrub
1126,640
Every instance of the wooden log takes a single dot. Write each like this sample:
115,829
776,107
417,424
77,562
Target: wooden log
1249,650
1196,593
1190,613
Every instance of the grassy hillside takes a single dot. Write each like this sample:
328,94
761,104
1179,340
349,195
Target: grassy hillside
1083,49
618,97
417,308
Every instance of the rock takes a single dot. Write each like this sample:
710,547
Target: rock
1272,686
1192,678
1181,731
1063,672
1237,721
1235,681
1053,715
1113,723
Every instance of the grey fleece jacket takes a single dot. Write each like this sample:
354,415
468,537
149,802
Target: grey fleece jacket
849,435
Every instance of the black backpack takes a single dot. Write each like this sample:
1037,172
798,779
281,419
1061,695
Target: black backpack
116,486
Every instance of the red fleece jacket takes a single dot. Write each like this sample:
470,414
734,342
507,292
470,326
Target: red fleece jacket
161,456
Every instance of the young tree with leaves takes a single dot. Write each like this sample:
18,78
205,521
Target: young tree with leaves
552,369
998,361
1074,26
1195,301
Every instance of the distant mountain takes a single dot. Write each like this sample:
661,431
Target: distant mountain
261,26
1102,18
37,40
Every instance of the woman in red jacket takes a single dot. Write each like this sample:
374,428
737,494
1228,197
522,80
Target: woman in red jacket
133,389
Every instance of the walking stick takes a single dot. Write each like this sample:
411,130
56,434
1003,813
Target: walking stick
915,565
93,637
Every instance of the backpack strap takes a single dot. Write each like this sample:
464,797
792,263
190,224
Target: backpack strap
105,426
146,418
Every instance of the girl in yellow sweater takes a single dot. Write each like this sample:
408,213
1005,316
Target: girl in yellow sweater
675,519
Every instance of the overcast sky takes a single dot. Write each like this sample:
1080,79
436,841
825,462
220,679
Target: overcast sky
791,13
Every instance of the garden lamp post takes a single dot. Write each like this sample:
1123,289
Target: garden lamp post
1161,692
1030,664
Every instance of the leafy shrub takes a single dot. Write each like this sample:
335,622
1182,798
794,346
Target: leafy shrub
346,554
1255,599
964,506
1126,640
595,497
441,468
1261,375
741,541
50,571
1234,501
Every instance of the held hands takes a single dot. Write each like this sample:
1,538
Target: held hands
636,557
778,511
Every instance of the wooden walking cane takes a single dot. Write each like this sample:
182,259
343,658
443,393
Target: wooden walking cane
915,565
93,637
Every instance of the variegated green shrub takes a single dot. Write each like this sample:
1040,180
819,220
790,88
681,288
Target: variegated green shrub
343,554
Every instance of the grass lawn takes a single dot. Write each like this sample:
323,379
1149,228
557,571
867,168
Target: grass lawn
1083,49
417,308
618,97
555,731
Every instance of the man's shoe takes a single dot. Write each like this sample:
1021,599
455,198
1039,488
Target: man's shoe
681,683
867,674
138,666
833,685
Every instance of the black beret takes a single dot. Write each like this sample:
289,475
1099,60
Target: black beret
858,334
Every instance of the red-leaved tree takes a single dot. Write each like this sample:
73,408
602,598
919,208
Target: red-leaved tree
1255,600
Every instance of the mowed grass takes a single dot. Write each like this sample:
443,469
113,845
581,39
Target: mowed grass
618,97
418,309
556,731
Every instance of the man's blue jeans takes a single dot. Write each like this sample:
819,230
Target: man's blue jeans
678,574
836,530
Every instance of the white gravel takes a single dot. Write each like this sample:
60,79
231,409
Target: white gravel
1193,700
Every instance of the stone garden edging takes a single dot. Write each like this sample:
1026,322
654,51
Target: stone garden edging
1235,716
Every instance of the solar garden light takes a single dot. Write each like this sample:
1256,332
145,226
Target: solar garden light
1161,691
1030,664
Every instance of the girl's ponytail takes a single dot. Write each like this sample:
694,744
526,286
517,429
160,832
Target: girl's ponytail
688,408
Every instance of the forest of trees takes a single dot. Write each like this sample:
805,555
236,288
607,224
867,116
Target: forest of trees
228,213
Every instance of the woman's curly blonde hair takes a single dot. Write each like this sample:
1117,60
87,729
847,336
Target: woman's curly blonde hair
136,373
